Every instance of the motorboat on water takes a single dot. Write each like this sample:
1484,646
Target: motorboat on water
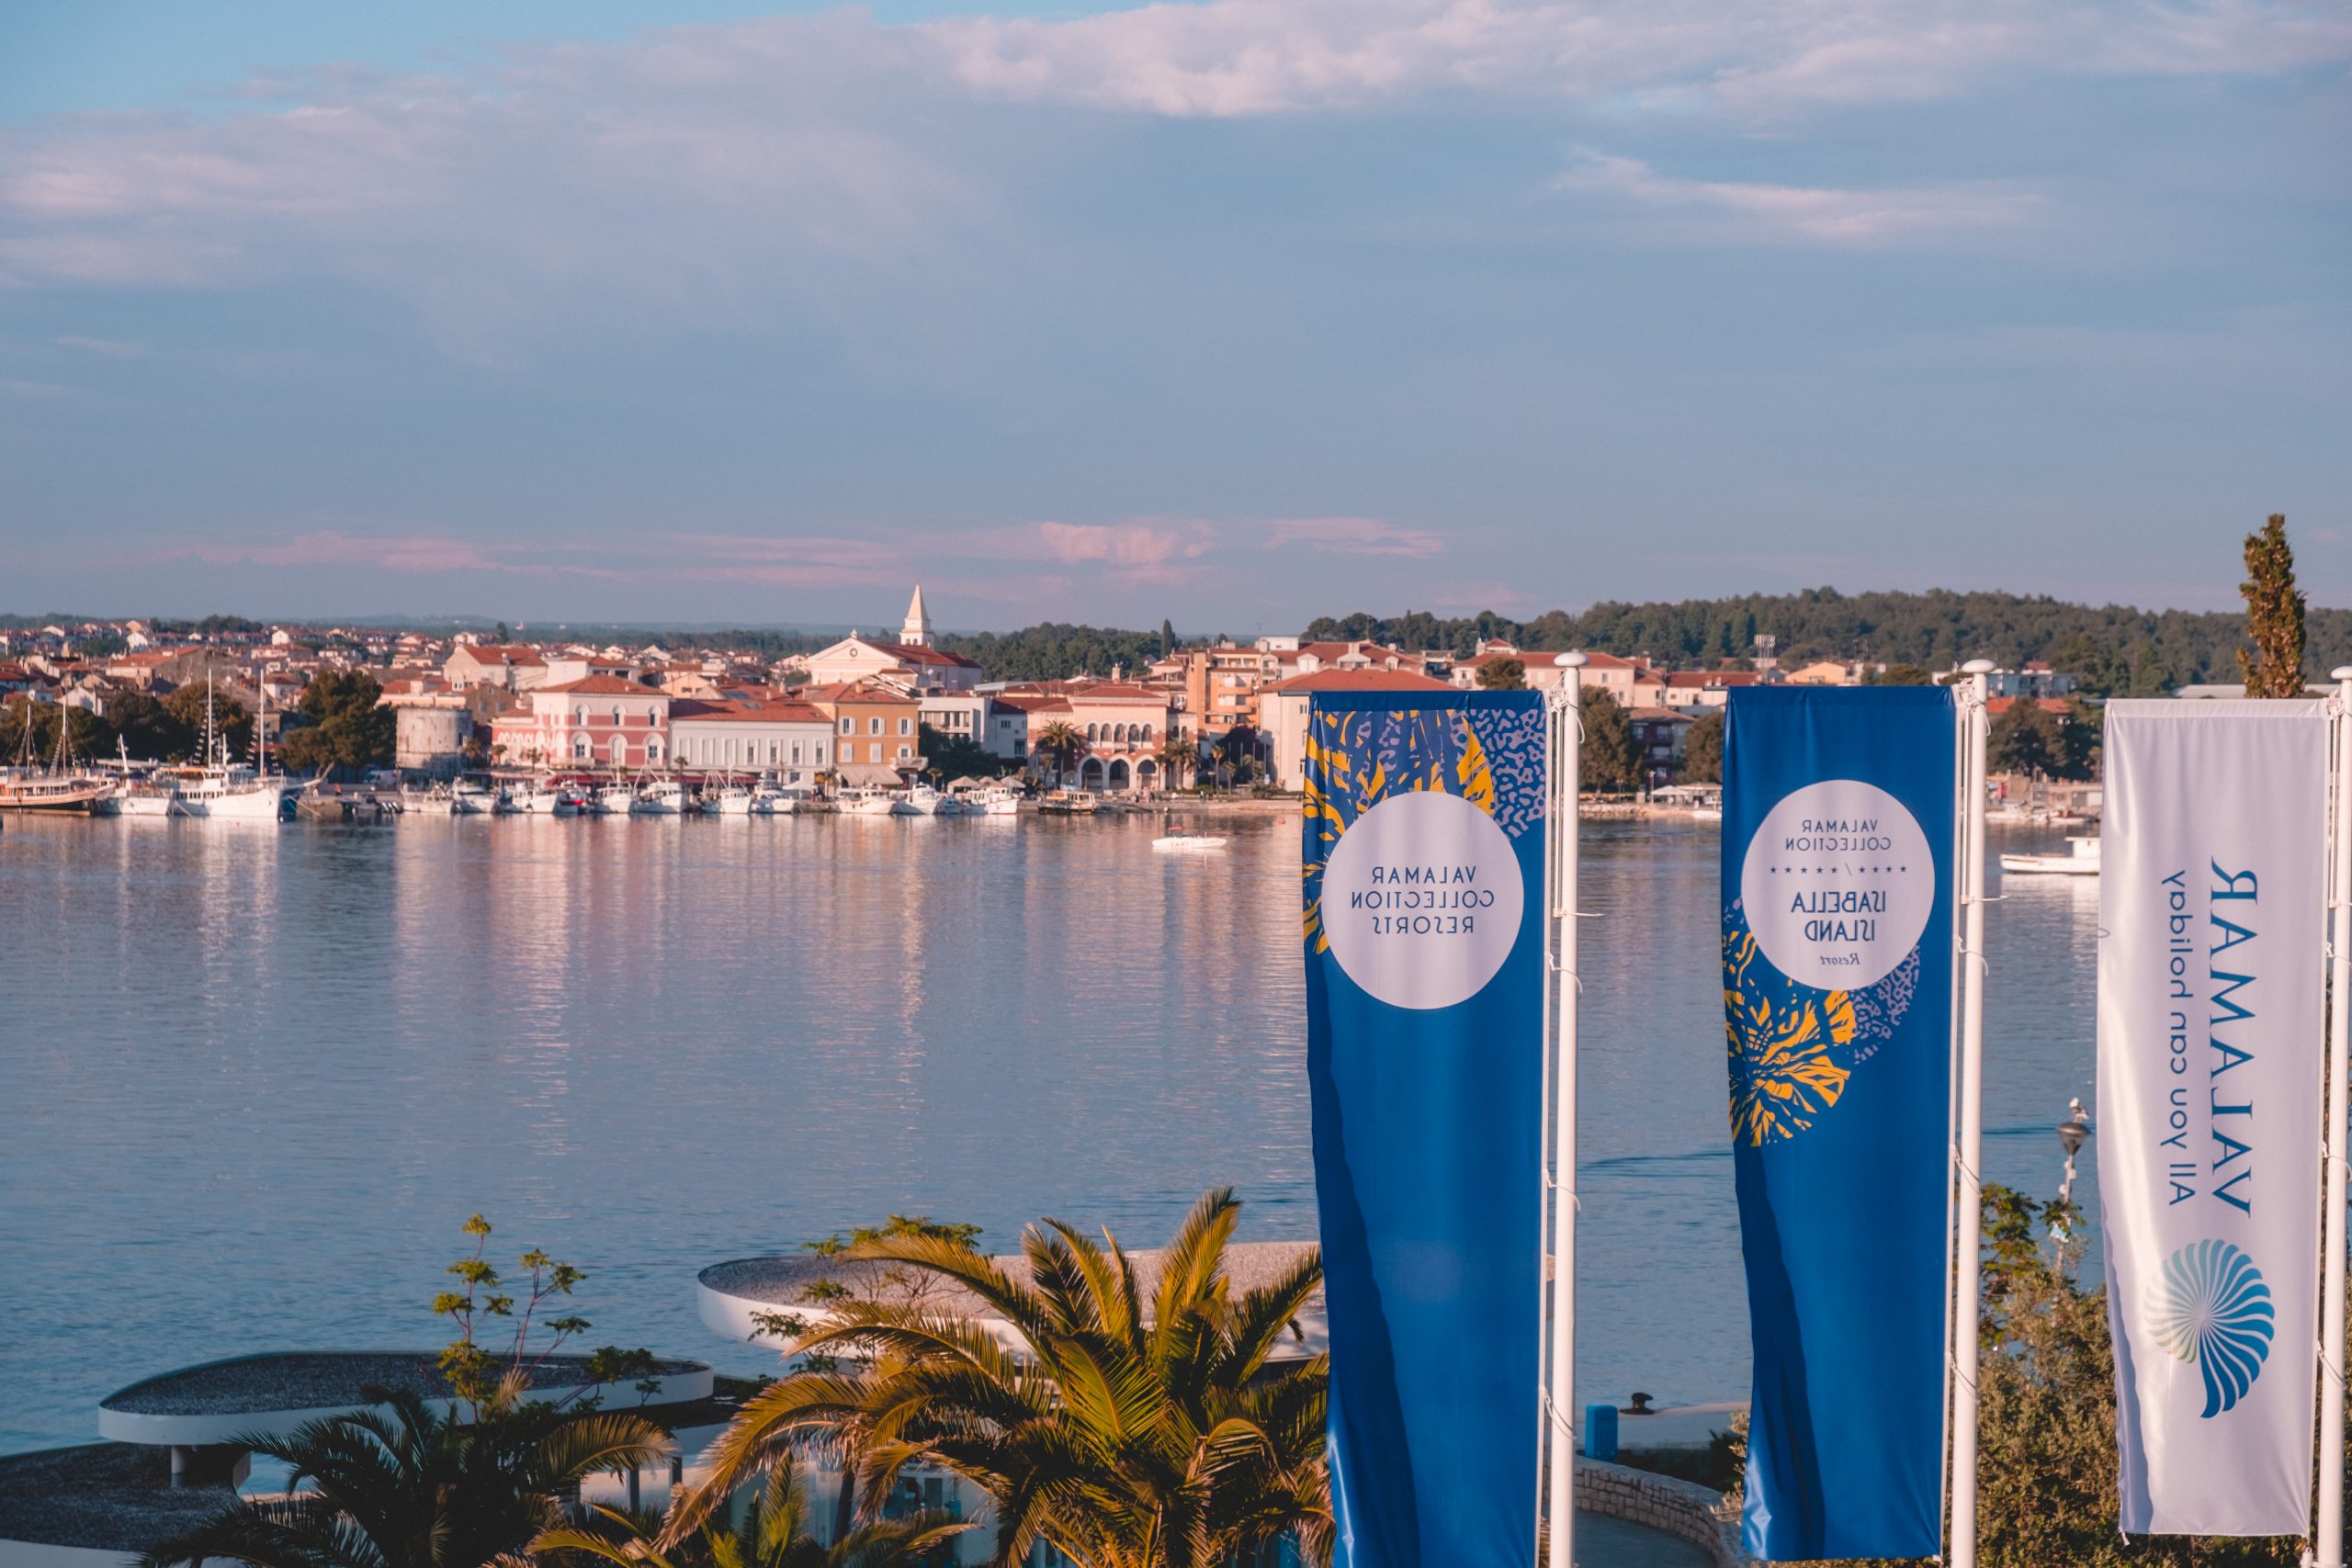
471,797
2081,859
997,801
737,800
235,794
662,797
1068,803
613,800
926,801
536,799
876,803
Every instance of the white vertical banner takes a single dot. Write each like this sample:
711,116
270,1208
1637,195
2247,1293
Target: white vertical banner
2212,909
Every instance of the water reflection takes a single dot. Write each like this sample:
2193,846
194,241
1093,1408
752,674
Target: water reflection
265,1074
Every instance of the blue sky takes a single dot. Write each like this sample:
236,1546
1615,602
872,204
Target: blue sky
1233,312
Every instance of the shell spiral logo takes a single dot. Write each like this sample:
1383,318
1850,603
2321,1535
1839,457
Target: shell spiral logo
2214,1309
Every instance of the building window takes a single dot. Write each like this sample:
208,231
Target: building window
906,727
849,726
905,752
874,725
873,752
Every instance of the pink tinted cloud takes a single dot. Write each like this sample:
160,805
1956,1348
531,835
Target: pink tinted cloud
1128,546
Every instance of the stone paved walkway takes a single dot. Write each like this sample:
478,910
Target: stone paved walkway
1613,1543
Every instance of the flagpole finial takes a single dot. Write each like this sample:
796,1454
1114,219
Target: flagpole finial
1571,661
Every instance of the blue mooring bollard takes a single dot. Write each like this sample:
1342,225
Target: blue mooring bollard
1600,1431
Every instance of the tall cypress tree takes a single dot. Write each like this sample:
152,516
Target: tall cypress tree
2273,615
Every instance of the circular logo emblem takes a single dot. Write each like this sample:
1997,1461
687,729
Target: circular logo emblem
1421,899
1837,884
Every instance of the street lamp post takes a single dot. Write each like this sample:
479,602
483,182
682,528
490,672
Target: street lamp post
2073,1132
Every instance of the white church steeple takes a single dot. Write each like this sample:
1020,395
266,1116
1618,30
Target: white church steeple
916,633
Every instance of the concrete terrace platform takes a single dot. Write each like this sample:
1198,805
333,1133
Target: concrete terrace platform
98,1497
94,1505
219,1402
730,1294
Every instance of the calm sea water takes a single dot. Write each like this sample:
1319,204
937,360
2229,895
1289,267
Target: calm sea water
258,1077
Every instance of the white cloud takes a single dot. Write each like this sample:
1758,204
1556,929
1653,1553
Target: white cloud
698,167
1352,537
1812,213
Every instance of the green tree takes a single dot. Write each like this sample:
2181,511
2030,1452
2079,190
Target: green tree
148,730
1167,638
2273,615
1129,1429
86,734
1503,675
1703,750
342,726
1179,759
1609,760
774,1533
1059,743
2080,743
405,1486
233,724
2025,737
954,756
502,634
1903,675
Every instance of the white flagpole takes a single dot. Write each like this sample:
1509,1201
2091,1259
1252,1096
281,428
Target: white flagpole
1968,1152
2328,1540
1567,736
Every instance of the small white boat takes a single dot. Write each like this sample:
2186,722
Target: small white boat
613,800
150,798
1706,814
663,797
544,800
2081,860
785,802
876,803
736,800
468,798
1187,843
924,801
998,803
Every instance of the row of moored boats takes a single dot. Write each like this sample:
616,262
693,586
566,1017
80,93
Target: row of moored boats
676,797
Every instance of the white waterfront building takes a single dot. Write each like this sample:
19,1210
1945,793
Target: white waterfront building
794,740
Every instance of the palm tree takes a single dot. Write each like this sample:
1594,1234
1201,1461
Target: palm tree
406,1487
1128,1429
773,1534
1060,741
1179,757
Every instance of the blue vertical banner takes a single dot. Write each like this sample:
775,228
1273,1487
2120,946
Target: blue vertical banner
1838,860
1423,861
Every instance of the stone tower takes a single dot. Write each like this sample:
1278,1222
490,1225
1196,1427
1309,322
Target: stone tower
916,633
